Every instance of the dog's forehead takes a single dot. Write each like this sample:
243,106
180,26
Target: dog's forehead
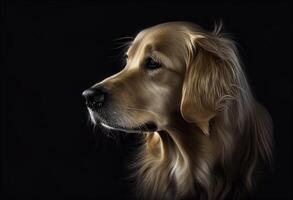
158,38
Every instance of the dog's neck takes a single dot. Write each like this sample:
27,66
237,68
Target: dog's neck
181,156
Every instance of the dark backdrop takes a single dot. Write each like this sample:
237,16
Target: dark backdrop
53,51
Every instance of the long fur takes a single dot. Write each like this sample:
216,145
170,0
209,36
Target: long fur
180,163
212,133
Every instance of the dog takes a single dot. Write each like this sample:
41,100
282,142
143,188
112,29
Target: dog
204,134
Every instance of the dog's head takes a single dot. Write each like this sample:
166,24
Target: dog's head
173,70
180,80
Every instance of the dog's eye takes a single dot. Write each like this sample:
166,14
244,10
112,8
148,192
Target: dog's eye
152,64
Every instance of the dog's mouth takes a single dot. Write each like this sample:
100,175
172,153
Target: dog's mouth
98,118
147,127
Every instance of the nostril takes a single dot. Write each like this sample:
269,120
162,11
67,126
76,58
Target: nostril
99,99
95,97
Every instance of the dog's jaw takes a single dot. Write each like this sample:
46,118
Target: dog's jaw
119,129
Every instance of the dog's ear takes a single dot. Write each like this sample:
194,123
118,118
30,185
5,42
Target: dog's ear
195,92
208,79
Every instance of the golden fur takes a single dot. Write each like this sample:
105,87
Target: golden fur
211,133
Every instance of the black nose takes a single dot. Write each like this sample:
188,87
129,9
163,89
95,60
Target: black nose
95,96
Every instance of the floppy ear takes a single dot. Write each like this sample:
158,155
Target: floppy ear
207,79
196,105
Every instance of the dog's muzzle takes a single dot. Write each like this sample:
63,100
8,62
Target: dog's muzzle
96,99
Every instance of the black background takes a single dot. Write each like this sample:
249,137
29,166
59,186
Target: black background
52,51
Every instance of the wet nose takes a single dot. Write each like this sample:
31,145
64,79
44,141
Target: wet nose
95,97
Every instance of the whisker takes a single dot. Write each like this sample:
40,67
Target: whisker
123,45
123,38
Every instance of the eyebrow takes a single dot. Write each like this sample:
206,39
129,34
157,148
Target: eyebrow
153,52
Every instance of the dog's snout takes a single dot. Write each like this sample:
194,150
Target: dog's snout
95,97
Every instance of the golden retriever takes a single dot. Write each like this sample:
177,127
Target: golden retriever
184,88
